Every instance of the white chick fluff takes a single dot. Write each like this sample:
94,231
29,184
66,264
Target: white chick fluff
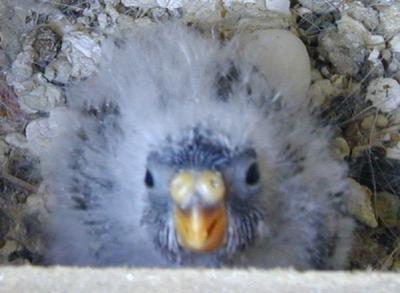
183,150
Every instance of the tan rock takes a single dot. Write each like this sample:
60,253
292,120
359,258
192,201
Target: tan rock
342,148
387,209
360,204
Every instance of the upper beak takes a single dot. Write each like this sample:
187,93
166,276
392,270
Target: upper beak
199,215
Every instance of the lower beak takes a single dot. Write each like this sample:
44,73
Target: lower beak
201,229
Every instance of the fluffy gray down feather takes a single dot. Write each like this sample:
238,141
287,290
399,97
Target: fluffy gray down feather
158,87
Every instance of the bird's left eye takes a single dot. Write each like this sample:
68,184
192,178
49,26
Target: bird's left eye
148,179
252,174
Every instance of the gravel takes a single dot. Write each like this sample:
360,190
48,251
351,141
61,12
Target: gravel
355,54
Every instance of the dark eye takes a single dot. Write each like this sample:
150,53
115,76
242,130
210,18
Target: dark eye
148,179
252,175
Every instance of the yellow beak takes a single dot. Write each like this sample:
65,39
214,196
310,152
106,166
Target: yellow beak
201,230
199,215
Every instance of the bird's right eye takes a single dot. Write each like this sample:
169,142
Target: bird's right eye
252,175
148,179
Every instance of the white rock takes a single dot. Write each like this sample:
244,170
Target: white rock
189,4
21,69
389,17
395,43
103,20
59,70
353,30
374,55
281,6
16,139
139,3
39,134
323,6
143,22
259,3
384,2
36,201
82,51
170,4
374,65
384,94
376,41
367,15
393,152
346,47
43,97
23,87
125,23
111,11
283,58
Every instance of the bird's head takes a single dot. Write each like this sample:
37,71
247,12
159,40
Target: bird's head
202,196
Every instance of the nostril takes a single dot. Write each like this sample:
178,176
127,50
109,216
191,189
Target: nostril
211,186
181,187
214,183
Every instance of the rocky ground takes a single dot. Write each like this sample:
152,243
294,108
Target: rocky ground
355,52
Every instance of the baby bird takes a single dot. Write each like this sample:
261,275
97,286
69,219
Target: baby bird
180,152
